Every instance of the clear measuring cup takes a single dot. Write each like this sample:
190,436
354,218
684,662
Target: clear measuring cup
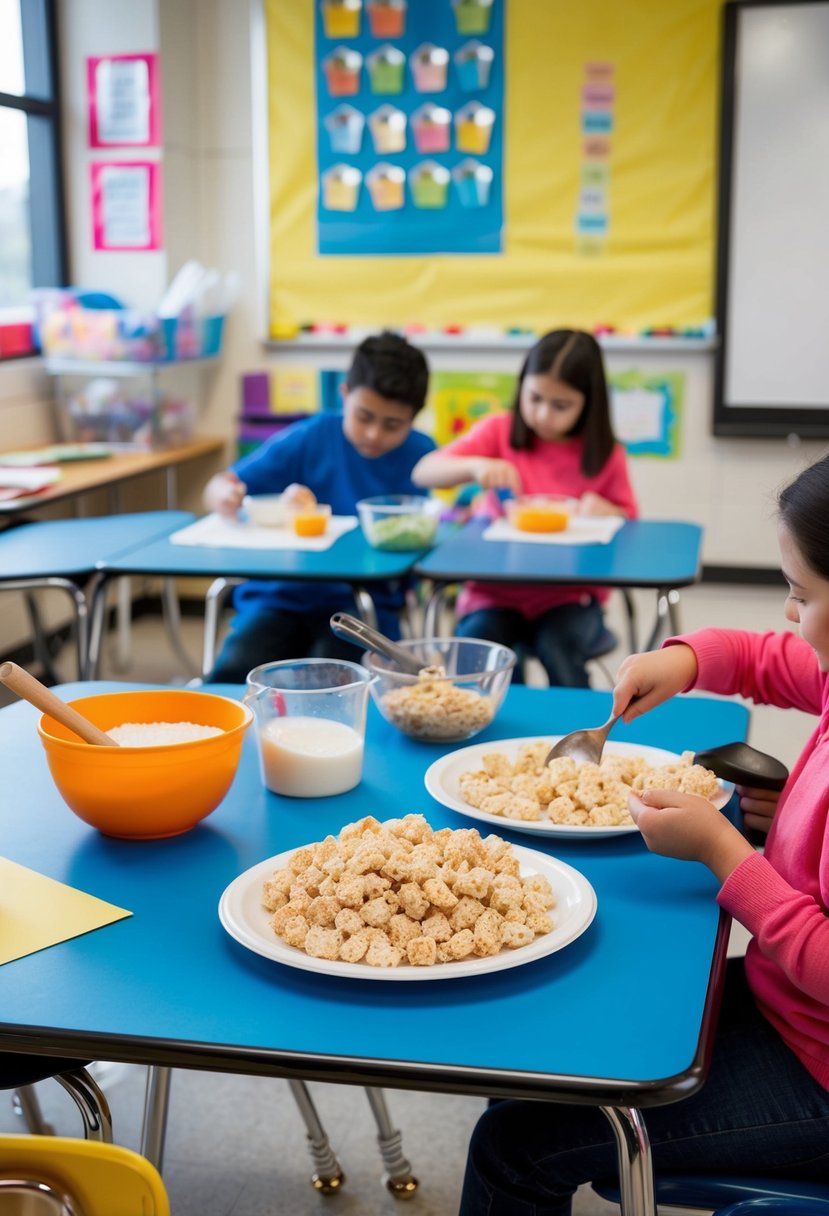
310,719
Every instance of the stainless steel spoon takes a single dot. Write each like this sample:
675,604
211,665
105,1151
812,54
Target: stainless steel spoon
584,746
354,630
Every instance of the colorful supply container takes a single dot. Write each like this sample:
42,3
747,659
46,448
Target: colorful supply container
473,63
341,188
387,187
473,128
341,18
429,184
386,66
472,16
388,129
345,129
429,66
387,18
342,71
431,128
473,182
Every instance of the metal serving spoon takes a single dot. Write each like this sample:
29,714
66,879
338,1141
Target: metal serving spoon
354,630
584,746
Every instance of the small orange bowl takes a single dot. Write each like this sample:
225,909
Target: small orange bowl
310,521
145,793
539,512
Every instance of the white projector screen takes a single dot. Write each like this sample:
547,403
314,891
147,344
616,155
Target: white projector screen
772,375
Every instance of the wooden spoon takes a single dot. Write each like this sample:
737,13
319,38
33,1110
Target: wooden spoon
30,689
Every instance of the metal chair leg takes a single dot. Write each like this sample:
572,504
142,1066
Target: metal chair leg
398,1177
328,1177
91,1101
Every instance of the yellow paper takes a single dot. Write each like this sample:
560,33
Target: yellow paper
36,912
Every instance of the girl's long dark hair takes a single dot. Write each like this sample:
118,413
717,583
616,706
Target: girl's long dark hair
574,357
804,510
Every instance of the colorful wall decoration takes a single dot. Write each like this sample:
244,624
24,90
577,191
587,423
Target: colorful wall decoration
651,266
409,126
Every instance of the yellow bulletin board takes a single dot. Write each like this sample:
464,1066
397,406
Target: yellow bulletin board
652,266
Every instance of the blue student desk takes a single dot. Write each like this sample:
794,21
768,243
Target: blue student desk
622,1018
64,553
351,559
664,555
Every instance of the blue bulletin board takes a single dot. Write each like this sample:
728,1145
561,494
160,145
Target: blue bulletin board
409,127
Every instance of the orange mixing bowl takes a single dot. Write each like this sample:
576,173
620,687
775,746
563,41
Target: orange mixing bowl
145,793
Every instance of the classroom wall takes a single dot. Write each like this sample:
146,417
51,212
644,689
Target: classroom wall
214,159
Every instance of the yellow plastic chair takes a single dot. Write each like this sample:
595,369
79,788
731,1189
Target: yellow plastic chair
58,1176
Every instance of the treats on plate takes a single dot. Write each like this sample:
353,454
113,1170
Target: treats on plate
398,892
564,792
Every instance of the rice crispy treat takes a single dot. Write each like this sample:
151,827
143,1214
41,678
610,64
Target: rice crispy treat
435,708
431,898
579,795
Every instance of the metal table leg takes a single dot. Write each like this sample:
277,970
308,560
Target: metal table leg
78,598
156,1106
635,1161
667,615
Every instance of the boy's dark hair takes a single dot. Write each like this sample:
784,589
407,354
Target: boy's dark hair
574,357
804,510
392,367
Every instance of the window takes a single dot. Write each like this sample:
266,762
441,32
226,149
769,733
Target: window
32,246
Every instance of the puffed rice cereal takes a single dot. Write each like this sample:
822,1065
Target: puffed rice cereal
398,892
564,792
435,708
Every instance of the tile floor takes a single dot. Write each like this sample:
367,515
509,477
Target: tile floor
236,1145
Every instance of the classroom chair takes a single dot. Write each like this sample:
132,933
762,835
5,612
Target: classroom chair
20,1073
56,1176
738,1196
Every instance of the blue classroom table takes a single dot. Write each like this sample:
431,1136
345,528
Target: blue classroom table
64,554
659,554
622,1017
351,559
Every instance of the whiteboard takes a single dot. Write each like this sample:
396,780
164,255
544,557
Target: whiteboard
773,256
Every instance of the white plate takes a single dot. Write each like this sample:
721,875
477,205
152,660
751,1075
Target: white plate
443,783
242,914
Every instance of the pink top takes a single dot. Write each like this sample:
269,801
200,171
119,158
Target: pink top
782,896
545,468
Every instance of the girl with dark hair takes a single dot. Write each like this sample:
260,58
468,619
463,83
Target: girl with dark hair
764,1109
558,439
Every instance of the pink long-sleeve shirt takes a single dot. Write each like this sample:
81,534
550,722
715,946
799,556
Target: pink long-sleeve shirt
545,468
782,896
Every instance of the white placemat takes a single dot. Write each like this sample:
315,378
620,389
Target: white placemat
222,533
28,480
582,530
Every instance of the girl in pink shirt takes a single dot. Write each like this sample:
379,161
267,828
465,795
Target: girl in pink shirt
764,1109
557,439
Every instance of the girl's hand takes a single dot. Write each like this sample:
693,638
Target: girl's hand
594,504
689,828
224,494
297,497
758,807
492,474
651,678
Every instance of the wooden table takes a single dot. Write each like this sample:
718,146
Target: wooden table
81,476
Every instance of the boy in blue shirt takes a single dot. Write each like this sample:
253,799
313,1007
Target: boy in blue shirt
367,450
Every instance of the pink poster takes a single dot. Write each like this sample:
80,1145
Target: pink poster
126,205
124,101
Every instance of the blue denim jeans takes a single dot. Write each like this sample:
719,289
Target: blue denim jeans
562,639
267,635
759,1113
